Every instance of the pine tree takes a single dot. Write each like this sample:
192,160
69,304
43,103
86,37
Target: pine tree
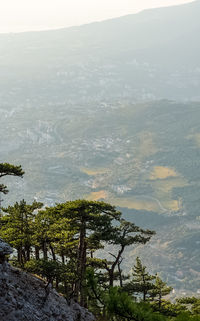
17,227
142,282
91,223
122,236
121,307
160,290
11,170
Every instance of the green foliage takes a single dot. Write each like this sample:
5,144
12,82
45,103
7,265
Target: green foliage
11,170
8,169
133,128
186,316
159,291
68,236
50,270
141,282
120,306
96,291
191,303
168,308
70,233
121,236
18,227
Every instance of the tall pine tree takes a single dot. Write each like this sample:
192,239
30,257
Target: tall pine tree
142,282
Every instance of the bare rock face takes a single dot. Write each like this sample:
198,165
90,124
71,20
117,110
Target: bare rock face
5,249
24,297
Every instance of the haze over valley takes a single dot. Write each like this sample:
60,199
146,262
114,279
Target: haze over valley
110,111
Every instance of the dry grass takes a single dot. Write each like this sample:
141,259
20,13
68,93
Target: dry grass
161,172
136,203
94,171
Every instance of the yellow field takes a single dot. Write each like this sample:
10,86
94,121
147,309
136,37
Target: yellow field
94,171
163,189
137,204
95,196
172,205
161,172
161,201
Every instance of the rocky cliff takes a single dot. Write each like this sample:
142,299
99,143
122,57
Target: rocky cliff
24,297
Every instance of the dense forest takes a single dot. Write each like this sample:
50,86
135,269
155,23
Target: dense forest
78,247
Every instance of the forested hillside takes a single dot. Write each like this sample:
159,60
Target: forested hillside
103,115
143,157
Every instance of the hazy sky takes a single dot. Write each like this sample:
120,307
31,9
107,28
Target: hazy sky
23,15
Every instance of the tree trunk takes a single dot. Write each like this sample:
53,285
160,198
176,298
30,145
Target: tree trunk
37,253
19,255
63,258
144,295
81,266
28,253
112,269
57,284
23,256
83,300
52,252
44,249
111,276
120,275
159,300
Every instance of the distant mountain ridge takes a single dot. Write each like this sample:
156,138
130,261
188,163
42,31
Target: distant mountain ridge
90,112
150,55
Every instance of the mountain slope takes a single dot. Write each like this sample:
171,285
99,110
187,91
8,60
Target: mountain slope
153,54
80,111
141,157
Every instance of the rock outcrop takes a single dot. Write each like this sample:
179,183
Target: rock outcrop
5,249
24,297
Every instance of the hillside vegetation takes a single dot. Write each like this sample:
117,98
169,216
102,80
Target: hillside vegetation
141,157
103,115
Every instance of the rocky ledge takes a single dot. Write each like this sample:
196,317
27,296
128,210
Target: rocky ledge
5,249
24,297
